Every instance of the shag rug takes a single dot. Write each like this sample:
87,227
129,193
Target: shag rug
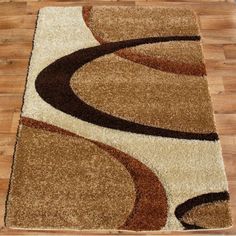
117,129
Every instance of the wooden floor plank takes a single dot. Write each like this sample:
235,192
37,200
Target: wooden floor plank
15,50
216,84
219,36
226,123
218,22
12,8
12,84
18,21
6,121
5,166
16,35
206,8
33,7
214,52
230,51
7,142
224,103
13,66
229,83
10,102
228,143
221,67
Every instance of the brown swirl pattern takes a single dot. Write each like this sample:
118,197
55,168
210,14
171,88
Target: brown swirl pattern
58,92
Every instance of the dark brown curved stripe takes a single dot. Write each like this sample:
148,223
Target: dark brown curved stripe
196,201
155,63
150,209
53,85
188,226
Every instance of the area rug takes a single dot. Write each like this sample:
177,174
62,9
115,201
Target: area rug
117,129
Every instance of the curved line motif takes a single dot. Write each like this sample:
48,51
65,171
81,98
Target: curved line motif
150,208
165,65
53,86
196,201
152,62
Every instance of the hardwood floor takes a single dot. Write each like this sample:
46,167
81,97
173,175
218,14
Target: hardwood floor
218,24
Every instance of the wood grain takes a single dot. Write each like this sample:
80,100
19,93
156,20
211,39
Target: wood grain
218,24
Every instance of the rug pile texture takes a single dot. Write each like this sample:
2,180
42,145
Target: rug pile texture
117,129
